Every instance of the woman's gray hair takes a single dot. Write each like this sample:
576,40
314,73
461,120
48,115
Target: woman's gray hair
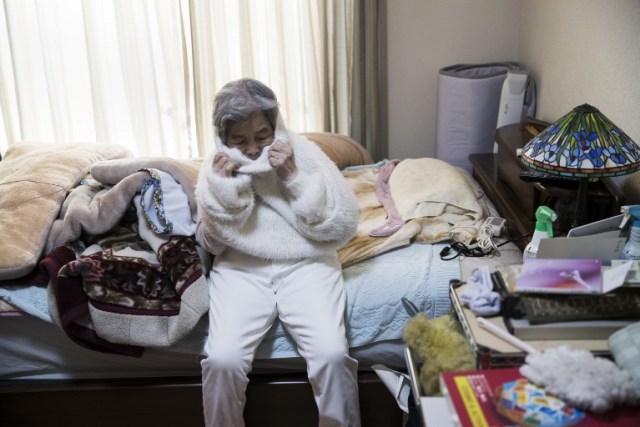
241,99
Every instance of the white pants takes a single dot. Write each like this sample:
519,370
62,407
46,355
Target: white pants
246,295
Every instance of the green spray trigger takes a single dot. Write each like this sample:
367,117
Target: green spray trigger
545,217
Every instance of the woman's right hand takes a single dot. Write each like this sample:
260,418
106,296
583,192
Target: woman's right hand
223,165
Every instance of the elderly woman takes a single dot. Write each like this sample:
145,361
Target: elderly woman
273,209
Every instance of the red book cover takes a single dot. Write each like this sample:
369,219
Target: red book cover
503,397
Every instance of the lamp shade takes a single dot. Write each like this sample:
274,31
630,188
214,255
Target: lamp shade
583,143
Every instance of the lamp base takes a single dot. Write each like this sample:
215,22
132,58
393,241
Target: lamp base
581,215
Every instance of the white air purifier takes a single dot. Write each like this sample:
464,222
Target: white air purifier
512,98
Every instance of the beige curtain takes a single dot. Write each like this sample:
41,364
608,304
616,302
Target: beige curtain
367,110
96,71
289,45
143,73
9,125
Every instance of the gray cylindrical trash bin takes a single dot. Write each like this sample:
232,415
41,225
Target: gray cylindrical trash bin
468,104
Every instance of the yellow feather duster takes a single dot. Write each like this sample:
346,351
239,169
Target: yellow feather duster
440,345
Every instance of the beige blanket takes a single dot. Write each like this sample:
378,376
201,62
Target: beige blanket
372,215
432,188
96,210
437,201
34,180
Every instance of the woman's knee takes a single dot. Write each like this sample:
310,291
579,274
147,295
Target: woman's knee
226,359
331,354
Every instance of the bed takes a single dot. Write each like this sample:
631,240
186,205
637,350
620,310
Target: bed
115,336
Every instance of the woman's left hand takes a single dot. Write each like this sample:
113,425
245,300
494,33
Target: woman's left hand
281,159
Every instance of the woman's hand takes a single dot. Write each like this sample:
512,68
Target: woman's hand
281,159
224,166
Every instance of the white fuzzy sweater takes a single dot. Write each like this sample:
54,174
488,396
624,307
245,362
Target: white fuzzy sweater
256,213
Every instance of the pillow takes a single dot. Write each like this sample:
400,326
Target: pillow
343,150
432,188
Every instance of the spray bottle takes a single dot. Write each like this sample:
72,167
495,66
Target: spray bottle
631,249
544,229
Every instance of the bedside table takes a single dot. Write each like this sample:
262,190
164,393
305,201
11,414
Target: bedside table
499,176
508,204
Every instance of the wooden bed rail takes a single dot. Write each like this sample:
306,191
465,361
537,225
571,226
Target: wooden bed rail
272,401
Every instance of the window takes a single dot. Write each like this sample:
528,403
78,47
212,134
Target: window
142,74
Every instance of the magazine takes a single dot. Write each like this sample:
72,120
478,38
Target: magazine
568,276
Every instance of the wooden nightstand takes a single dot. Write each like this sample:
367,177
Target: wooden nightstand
485,171
517,201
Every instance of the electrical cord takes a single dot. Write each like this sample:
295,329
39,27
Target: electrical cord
475,251
485,239
460,249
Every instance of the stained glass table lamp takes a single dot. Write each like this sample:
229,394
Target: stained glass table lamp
584,144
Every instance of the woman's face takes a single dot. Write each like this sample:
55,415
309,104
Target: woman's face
250,136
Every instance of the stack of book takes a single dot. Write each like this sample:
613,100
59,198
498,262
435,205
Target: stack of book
553,299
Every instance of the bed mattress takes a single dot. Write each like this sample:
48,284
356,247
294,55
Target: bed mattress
33,347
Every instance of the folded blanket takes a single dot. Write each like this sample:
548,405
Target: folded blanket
184,171
96,209
34,180
117,299
135,284
363,181
435,200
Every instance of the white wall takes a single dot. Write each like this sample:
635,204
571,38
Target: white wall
592,57
426,35
584,51
578,50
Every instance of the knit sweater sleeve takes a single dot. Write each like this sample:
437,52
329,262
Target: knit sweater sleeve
325,207
224,200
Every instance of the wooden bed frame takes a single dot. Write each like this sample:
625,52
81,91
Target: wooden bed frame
272,401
